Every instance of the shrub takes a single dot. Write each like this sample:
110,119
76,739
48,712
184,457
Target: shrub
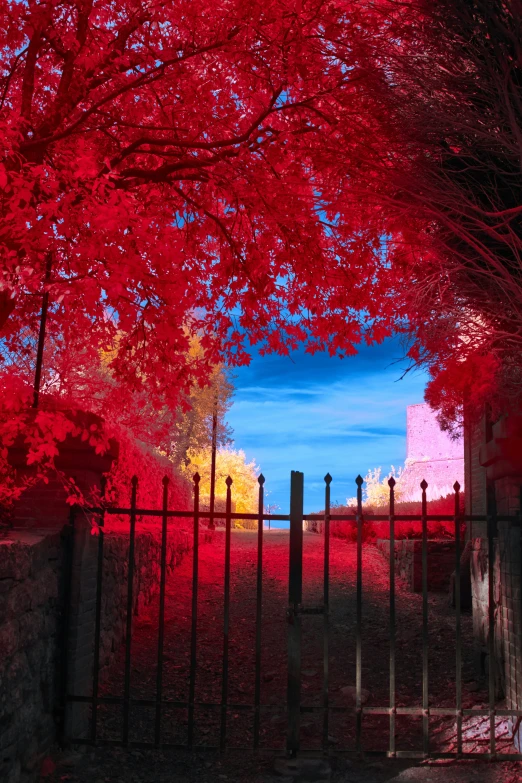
138,459
372,530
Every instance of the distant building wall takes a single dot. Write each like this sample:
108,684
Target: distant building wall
476,485
431,454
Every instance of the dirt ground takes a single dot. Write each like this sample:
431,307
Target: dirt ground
101,765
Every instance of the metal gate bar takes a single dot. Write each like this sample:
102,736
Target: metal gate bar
194,619
326,616
458,632
128,632
295,594
425,638
259,608
97,625
393,711
226,621
161,616
491,530
358,625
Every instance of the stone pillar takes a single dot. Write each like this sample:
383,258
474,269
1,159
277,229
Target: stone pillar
43,506
502,458
82,616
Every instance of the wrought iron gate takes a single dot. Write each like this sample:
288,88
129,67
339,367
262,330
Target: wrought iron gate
296,615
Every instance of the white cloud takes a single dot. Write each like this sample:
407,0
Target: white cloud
344,427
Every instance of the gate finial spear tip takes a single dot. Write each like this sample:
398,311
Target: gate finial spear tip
165,481
228,481
456,486
196,477
328,479
359,480
391,482
134,481
424,484
261,479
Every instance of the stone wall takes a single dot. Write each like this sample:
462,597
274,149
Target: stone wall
113,605
408,562
494,464
508,596
475,480
146,581
506,610
31,601
510,619
315,526
32,590
408,559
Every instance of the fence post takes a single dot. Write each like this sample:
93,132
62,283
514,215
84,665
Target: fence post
81,625
295,585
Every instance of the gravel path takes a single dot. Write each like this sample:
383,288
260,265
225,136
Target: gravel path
106,765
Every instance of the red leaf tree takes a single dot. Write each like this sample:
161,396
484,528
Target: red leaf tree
448,76
270,173
171,168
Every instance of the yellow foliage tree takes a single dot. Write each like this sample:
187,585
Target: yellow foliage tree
229,462
175,432
376,490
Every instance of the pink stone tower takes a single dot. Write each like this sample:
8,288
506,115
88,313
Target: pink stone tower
431,454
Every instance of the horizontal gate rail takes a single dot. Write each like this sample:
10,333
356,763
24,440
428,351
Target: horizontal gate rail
400,754
417,711
152,512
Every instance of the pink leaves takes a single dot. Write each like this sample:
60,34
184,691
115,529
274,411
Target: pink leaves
3,177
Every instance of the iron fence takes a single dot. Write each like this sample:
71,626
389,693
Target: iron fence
295,614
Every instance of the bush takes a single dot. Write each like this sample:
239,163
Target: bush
348,530
403,530
138,459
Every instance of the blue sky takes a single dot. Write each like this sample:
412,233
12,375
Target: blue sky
319,414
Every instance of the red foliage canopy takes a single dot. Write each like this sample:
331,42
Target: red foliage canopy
181,167
449,179
232,168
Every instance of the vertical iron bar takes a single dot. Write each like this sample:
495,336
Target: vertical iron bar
393,708
326,617
193,648
259,605
211,524
295,586
161,618
491,634
226,620
295,594
128,633
66,622
425,684
517,729
41,334
458,635
97,628
358,638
